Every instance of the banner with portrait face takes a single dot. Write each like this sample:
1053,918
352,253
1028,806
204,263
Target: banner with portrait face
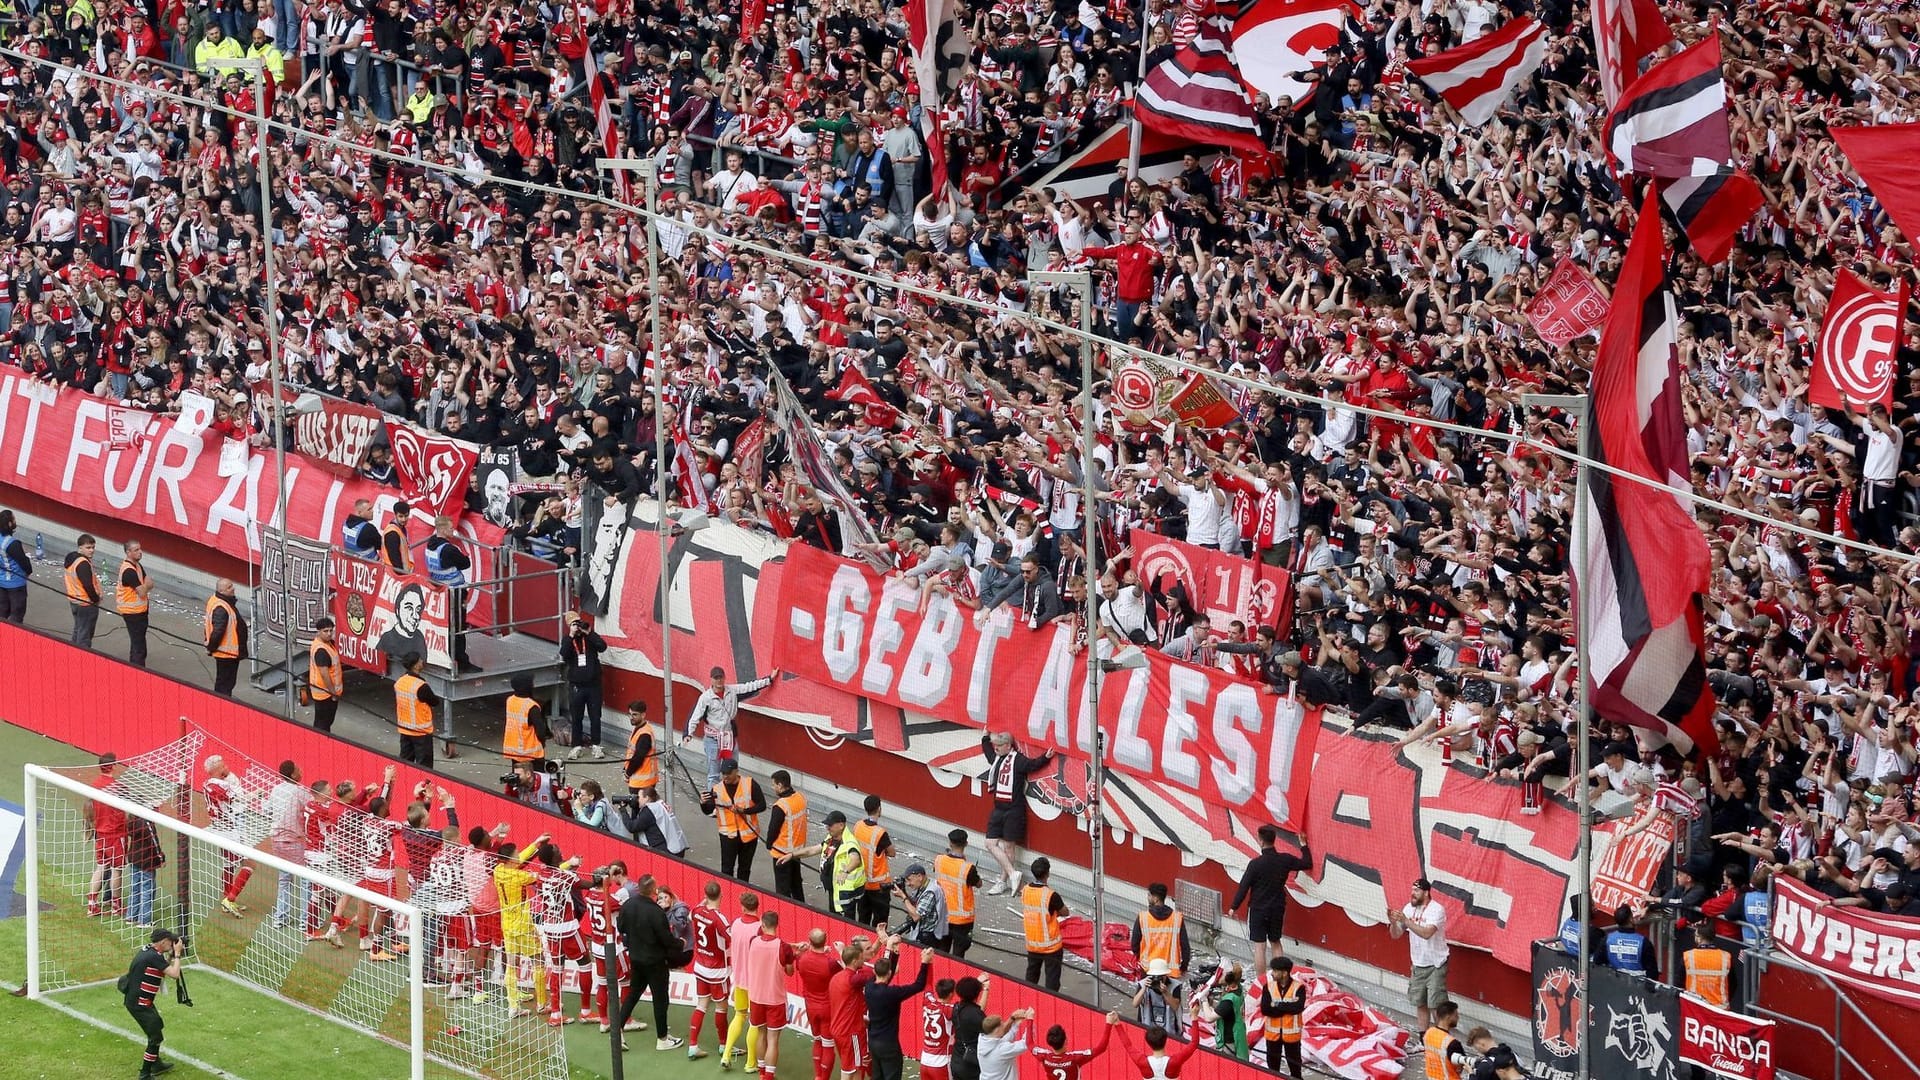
378,614
498,470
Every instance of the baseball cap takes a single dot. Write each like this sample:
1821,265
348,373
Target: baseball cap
916,868
1423,884
728,765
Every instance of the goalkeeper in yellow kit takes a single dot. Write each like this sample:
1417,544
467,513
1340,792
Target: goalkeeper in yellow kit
514,880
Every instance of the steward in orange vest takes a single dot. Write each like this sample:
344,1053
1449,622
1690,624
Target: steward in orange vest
527,732
1041,910
226,637
1283,999
1160,933
326,678
413,704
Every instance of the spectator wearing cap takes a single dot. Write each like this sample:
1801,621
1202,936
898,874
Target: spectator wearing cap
1424,921
927,921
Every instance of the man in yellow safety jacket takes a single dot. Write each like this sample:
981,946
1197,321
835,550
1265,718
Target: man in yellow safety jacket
326,677
527,732
413,704
1041,911
226,636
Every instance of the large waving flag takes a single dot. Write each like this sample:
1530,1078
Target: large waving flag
1197,93
603,111
939,45
1478,77
1645,567
1625,32
1277,40
1713,209
1672,121
1884,155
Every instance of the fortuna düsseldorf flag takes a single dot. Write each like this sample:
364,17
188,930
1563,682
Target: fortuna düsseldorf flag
1478,77
1200,403
1853,367
1569,305
1672,121
1197,93
1640,579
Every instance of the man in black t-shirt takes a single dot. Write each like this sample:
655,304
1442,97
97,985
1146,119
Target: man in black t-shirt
151,966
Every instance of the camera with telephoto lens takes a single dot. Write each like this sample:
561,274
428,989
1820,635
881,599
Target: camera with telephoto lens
557,787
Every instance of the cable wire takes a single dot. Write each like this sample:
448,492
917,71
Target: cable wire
1512,439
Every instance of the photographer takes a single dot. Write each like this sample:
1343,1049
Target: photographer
927,903
580,655
531,785
141,988
1156,998
651,822
590,805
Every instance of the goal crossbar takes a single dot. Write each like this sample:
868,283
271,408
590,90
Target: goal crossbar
36,775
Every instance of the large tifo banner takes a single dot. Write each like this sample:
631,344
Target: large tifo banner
291,592
378,614
1879,954
1198,730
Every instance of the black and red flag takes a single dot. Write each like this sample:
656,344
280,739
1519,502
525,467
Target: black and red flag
1644,567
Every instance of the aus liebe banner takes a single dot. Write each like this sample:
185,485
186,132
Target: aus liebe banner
1226,741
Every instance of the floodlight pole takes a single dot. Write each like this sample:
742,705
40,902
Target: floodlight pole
1081,283
1575,406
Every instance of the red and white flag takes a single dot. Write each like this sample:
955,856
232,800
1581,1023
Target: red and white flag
1570,305
750,450
434,470
1478,77
1277,40
1884,155
1197,92
686,472
1625,32
1712,209
126,426
1853,367
1200,403
602,110
939,45
1672,121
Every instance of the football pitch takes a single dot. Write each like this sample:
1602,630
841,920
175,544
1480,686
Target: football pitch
237,1031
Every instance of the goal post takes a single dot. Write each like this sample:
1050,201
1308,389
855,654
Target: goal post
89,906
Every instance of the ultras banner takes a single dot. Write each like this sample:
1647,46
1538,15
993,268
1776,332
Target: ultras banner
1879,954
1197,730
1725,1043
1226,587
379,614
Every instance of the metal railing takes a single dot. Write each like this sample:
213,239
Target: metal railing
1754,963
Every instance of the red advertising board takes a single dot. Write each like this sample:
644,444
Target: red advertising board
379,614
1879,954
1226,587
1201,731
1727,1043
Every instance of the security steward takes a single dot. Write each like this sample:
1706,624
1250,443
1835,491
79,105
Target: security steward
131,598
1283,999
1628,950
448,565
643,763
83,592
226,635
326,677
843,868
358,537
1445,1056
957,877
527,731
735,803
1709,968
1160,933
140,988
787,832
877,845
413,705
1041,911
395,551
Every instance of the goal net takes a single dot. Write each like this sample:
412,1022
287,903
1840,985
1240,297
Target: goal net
227,853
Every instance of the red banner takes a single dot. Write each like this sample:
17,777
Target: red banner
433,469
1859,338
1880,954
1628,871
1225,587
1727,1043
1200,403
1569,305
1197,730
57,444
337,436
378,613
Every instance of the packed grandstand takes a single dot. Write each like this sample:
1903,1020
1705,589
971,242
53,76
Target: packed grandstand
1334,441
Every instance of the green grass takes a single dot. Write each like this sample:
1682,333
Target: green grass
238,1029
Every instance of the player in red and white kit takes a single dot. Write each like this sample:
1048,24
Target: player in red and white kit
936,1031
321,814
847,1006
816,965
1059,1063
109,827
364,845
226,815
556,918
711,969
601,901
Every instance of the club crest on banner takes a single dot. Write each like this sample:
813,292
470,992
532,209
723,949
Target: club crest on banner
433,468
1854,364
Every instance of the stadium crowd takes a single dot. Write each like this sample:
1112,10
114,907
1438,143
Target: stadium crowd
1380,257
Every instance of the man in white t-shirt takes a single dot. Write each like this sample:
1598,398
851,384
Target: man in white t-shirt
1425,923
